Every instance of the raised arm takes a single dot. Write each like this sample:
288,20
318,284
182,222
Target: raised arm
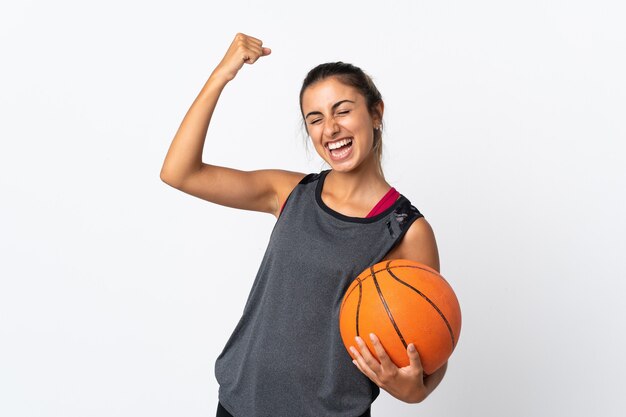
183,168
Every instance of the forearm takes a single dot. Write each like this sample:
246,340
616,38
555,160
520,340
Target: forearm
184,156
432,381
418,393
185,153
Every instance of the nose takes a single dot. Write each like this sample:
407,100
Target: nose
331,127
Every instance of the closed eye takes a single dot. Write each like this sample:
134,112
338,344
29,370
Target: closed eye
342,112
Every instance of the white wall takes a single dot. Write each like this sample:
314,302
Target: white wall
504,126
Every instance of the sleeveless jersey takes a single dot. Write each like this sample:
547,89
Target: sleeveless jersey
285,357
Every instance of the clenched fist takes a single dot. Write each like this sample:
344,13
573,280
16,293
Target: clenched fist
243,50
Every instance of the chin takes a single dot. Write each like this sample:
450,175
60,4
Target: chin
342,167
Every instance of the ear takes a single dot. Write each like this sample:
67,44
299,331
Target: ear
379,109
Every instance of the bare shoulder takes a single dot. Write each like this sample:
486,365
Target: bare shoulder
418,244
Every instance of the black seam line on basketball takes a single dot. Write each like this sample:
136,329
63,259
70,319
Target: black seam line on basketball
382,298
391,267
429,301
358,307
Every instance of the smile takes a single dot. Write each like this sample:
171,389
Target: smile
340,150
339,143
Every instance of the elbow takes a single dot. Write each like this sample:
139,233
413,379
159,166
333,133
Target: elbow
176,176
169,179
164,177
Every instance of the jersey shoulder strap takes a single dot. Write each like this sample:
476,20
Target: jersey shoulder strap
305,180
309,178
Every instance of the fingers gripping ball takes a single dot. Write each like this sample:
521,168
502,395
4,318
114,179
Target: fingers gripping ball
402,302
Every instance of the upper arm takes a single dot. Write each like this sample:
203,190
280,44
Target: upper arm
419,244
262,190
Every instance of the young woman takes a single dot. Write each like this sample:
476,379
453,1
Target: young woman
285,357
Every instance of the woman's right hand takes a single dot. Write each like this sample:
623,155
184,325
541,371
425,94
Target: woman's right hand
243,50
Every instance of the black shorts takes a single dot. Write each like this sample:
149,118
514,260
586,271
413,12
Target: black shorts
221,412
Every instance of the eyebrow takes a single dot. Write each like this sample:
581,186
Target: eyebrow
337,104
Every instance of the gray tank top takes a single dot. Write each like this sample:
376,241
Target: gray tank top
285,357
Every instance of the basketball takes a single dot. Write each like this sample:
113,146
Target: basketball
402,302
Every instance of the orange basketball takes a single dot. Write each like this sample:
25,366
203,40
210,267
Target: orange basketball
402,302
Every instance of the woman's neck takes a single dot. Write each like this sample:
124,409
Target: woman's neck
363,186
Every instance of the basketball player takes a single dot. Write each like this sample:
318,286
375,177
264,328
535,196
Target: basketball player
285,358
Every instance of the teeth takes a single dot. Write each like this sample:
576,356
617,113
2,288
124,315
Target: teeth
339,144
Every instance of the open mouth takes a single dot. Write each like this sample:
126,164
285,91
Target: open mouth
340,148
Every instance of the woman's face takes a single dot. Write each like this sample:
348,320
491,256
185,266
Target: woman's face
336,116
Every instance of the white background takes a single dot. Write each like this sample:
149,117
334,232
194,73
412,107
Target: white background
504,126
